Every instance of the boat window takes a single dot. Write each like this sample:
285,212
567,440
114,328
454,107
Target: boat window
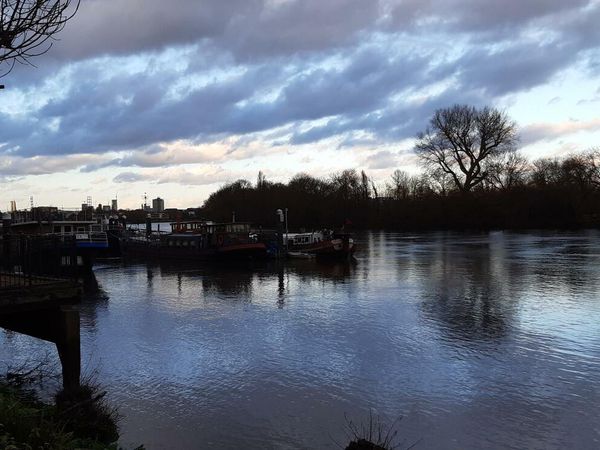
193,243
185,243
67,228
170,243
80,229
56,228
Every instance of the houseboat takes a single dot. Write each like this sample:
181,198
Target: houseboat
85,233
320,244
195,240
57,247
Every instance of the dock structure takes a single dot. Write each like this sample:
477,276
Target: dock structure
45,308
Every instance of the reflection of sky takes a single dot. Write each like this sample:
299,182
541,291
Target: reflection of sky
460,334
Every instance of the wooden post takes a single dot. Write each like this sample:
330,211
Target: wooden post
69,347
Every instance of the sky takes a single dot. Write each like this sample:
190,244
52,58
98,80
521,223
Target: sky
175,99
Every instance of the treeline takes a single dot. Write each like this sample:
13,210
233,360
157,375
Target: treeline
515,193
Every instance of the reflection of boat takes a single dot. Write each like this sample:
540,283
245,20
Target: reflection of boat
321,244
197,241
300,255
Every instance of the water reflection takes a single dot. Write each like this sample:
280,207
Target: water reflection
478,340
237,280
468,292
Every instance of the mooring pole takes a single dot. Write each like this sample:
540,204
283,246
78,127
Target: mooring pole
69,347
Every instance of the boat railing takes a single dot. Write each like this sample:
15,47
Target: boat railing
92,237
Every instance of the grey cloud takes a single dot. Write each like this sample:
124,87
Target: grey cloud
330,62
246,28
18,166
182,177
476,15
299,26
381,160
519,67
94,117
118,27
549,131
128,177
394,122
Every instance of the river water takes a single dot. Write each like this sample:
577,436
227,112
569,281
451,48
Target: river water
457,341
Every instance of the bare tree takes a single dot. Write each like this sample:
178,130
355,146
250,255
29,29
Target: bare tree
399,187
261,180
507,170
28,27
582,169
460,139
546,171
365,186
441,181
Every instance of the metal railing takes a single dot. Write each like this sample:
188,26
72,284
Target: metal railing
18,281
24,257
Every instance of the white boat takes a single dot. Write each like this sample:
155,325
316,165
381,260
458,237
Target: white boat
323,244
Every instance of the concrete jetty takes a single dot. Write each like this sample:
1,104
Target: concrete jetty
45,308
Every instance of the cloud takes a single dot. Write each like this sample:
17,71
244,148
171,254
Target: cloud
129,177
41,165
164,155
204,176
381,160
202,82
549,131
247,29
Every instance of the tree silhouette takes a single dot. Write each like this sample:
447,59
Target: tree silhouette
461,140
28,27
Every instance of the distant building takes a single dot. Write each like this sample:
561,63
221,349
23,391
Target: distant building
13,206
114,205
105,208
158,205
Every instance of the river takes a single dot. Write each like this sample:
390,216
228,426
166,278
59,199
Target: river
458,341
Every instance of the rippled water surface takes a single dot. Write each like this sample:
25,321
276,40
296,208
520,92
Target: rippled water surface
474,340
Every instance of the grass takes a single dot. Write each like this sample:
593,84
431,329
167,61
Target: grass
374,435
77,420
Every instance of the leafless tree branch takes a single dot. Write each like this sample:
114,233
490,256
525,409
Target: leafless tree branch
29,27
460,141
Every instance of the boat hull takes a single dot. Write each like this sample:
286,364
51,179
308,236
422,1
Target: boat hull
150,250
336,248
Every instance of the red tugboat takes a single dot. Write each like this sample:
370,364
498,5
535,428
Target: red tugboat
196,240
320,244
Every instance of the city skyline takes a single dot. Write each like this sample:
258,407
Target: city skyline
177,100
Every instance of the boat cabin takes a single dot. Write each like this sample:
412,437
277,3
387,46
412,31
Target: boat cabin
302,239
53,227
208,234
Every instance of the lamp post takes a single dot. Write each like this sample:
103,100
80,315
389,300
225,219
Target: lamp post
286,228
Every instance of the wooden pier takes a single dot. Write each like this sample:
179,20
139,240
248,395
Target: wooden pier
45,308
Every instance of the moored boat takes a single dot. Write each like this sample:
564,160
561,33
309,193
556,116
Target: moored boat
195,240
85,234
321,244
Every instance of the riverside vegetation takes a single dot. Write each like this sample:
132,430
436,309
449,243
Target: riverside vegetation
77,420
473,177
517,194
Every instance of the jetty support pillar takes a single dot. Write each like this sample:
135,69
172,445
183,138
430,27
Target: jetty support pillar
45,309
